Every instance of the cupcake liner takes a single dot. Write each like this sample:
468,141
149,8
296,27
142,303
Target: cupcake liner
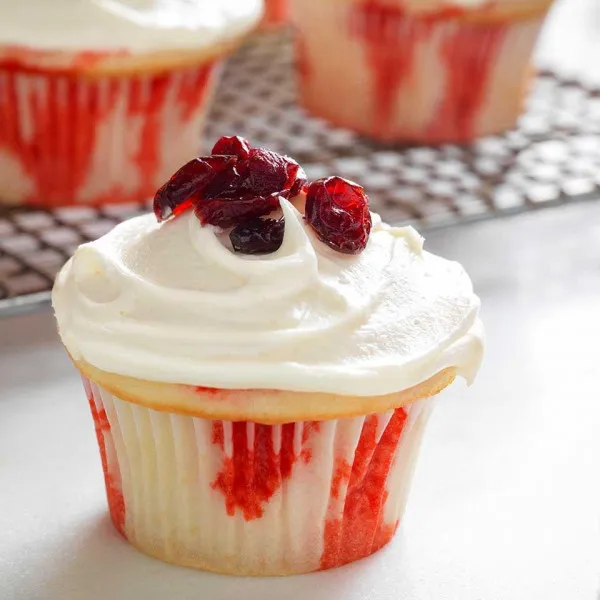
377,69
66,139
252,499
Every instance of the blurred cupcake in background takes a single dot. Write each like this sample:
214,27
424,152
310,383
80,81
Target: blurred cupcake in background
425,71
276,13
100,100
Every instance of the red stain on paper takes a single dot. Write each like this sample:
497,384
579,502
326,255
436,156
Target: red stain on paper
469,55
112,477
390,41
276,12
361,530
51,123
255,471
391,37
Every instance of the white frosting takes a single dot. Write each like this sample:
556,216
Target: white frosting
170,302
130,25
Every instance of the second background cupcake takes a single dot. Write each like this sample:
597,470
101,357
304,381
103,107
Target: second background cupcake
424,71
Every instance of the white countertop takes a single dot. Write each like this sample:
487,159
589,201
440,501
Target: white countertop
506,500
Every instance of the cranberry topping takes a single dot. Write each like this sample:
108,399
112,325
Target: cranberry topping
228,212
234,146
237,184
234,185
248,188
266,172
179,192
259,236
338,211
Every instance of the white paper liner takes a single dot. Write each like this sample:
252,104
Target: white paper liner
384,73
302,506
66,139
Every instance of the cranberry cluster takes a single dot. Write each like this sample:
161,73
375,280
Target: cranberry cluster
237,185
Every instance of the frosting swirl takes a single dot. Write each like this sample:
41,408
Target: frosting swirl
171,302
124,25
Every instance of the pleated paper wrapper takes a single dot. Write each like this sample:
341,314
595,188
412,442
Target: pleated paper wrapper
253,499
387,73
67,139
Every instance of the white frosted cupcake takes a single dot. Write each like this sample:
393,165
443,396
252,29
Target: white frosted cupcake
260,386
424,71
101,100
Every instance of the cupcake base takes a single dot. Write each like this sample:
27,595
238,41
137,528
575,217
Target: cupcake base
253,499
67,139
446,76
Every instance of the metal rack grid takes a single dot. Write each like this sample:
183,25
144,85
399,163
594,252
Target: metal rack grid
551,158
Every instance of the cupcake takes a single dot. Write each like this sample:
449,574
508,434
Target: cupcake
101,101
261,357
424,71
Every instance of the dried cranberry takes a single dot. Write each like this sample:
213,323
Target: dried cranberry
233,145
262,174
338,211
258,236
228,212
265,172
234,185
249,188
225,184
178,193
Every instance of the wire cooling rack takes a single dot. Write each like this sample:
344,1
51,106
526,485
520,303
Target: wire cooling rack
552,157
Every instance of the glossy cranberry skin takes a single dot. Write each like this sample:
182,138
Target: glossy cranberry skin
233,145
228,212
248,189
338,212
187,183
265,172
259,236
